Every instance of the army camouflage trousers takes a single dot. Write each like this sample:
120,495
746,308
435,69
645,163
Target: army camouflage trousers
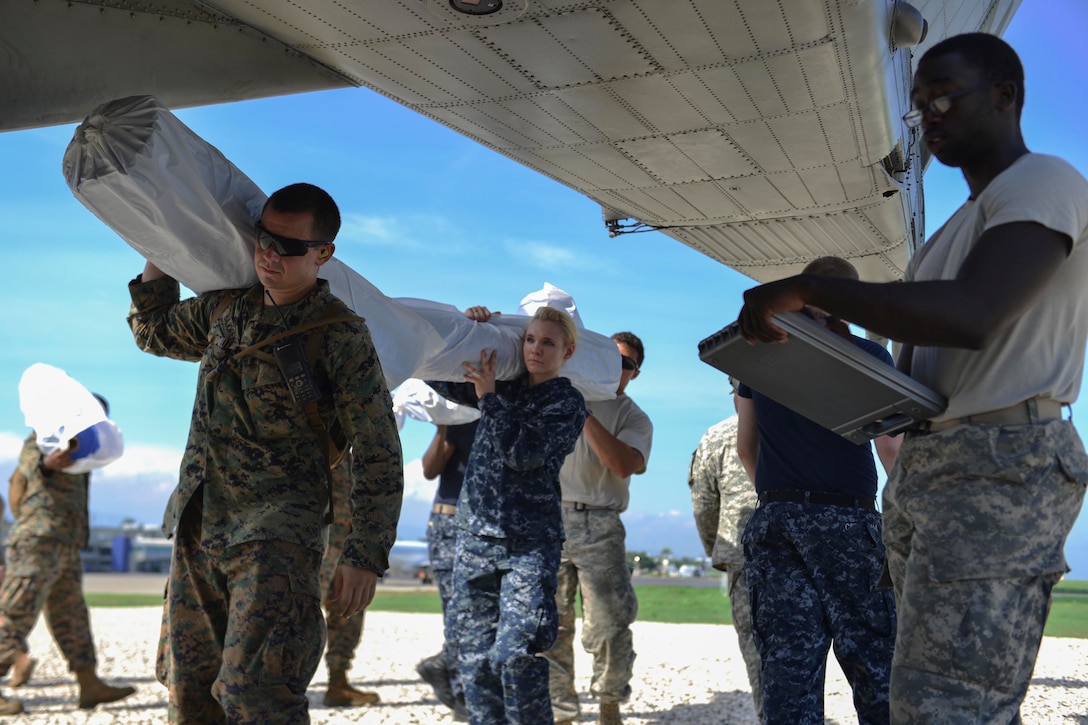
502,617
593,563
344,635
242,632
44,574
441,550
812,573
976,519
741,609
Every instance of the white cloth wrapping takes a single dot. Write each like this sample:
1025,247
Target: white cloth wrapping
153,181
416,400
182,205
60,409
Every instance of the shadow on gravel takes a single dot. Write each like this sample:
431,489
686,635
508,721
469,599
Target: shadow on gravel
1063,682
727,708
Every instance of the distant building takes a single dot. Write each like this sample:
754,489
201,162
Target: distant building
130,547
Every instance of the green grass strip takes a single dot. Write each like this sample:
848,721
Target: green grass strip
668,604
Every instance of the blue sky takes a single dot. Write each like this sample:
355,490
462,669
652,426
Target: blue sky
427,214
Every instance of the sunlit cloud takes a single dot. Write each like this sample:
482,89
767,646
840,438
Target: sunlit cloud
550,256
372,230
415,485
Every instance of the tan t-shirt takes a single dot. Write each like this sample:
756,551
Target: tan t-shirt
583,478
1042,353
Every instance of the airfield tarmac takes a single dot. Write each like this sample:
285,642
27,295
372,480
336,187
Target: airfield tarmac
685,674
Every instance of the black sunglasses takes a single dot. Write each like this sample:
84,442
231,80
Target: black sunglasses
284,246
628,363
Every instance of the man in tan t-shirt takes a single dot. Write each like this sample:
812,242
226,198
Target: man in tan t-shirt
595,481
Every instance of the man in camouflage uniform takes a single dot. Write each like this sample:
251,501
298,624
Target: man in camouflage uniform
812,551
344,633
723,500
993,314
45,573
596,479
242,621
446,458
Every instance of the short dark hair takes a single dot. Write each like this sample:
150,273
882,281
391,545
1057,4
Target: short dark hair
991,55
832,267
307,198
631,340
103,402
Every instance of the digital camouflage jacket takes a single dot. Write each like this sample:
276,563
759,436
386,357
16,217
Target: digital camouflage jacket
251,455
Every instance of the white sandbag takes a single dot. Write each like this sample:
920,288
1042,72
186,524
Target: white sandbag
402,338
594,369
419,401
182,205
550,296
64,415
153,181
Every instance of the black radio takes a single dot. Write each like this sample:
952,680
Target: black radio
291,359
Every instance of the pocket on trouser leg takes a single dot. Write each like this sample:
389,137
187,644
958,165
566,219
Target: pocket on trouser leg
295,642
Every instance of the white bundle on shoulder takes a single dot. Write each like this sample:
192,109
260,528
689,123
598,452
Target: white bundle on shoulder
67,416
416,400
152,180
182,205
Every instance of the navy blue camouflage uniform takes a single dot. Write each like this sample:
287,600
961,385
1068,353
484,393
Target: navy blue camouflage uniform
813,567
442,533
503,612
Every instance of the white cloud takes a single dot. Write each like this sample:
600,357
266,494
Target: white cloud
10,445
141,460
544,255
417,487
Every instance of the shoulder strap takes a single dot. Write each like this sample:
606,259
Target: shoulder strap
334,443
219,309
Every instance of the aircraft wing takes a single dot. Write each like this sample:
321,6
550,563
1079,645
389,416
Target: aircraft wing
760,133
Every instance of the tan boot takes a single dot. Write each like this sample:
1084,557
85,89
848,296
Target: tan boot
10,707
341,694
22,669
94,692
610,714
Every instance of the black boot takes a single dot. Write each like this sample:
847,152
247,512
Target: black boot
434,672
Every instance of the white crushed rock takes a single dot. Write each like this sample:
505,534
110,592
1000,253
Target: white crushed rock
689,674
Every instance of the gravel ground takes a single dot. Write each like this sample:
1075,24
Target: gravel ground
690,674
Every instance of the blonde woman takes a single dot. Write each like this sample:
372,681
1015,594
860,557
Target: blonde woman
502,614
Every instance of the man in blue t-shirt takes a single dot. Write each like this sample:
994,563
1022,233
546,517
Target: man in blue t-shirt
813,552
446,458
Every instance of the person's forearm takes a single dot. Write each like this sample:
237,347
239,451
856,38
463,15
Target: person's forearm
151,272
934,314
437,454
617,456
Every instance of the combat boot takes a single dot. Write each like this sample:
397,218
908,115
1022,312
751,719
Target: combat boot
342,694
22,669
10,707
94,692
610,714
434,672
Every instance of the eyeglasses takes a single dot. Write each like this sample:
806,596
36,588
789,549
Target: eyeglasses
628,363
940,105
284,246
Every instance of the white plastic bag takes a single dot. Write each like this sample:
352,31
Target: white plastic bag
550,296
62,412
172,196
417,400
181,204
594,369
